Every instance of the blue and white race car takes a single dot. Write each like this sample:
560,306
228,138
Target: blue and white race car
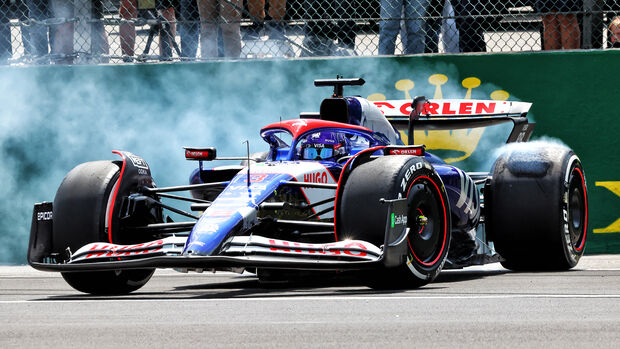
336,190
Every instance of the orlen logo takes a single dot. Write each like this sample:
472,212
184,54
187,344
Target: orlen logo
459,108
317,177
44,216
415,151
196,153
445,108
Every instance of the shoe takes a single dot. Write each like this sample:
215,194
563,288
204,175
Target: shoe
276,30
253,32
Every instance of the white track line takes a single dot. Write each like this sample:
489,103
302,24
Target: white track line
323,298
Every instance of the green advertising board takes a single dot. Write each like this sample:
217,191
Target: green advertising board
55,117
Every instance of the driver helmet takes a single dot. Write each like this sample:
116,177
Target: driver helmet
324,145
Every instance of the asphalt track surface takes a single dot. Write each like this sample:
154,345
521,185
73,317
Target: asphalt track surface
476,307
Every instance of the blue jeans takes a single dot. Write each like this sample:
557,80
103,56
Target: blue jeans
391,13
39,10
189,32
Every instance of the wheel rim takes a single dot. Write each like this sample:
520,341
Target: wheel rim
577,210
426,220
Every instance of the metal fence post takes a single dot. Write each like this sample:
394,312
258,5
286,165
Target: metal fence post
593,24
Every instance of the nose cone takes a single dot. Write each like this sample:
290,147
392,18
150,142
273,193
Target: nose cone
232,212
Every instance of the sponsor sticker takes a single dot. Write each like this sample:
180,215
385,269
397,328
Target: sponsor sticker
44,216
137,161
398,220
407,151
316,177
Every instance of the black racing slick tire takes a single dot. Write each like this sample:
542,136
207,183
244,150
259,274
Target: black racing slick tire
362,216
536,208
80,208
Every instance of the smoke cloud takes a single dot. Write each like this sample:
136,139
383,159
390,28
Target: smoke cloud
54,118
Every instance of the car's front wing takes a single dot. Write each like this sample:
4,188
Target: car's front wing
241,251
238,252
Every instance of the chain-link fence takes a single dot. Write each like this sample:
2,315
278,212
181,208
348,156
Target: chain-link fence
114,31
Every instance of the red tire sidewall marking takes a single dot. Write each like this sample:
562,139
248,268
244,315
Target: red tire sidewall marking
585,199
445,222
111,207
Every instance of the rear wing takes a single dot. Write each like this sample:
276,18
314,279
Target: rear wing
453,114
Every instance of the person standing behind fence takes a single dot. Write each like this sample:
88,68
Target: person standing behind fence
560,31
62,48
470,18
277,10
225,14
327,21
6,51
38,10
59,14
391,13
100,47
446,25
129,12
614,33
189,28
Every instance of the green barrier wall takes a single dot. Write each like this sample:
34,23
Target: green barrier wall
54,117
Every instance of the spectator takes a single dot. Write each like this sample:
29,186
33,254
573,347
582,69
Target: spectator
59,17
560,31
189,28
277,10
127,30
391,13
62,12
99,40
20,12
6,51
445,25
326,22
38,10
614,33
470,24
226,14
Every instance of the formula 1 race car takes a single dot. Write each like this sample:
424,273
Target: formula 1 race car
336,190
